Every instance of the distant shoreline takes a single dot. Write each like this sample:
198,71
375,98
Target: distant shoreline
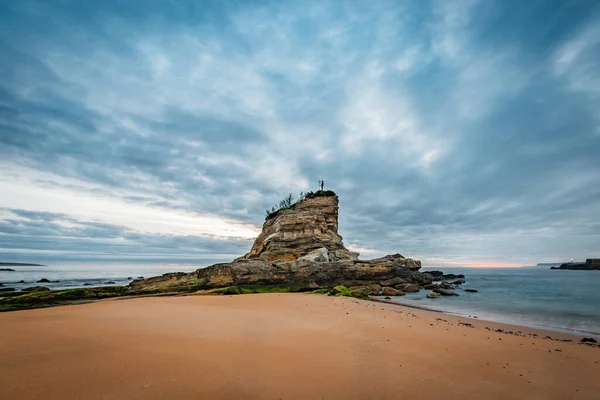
12,264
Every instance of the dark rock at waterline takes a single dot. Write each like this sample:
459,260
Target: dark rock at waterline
35,289
43,280
471,290
458,282
1,284
129,278
87,284
408,287
445,292
453,276
446,285
7,289
433,295
21,281
434,273
588,340
109,283
7,269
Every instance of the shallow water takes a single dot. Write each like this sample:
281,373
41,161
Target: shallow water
537,297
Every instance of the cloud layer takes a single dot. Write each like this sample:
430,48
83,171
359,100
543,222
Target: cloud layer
462,132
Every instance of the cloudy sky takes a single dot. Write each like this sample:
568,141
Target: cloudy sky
456,132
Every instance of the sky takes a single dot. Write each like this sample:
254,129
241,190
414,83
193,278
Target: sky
460,133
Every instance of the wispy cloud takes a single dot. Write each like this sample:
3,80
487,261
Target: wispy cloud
453,131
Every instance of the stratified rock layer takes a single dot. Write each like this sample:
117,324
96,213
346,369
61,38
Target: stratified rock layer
311,225
298,248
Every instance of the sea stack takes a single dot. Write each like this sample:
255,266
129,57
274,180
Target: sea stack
309,229
299,248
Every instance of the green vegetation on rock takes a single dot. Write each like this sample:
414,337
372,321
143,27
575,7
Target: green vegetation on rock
56,297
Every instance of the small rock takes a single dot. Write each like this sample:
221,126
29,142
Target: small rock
87,284
433,295
43,280
408,287
458,282
129,278
588,340
109,283
7,289
388,291
471,290
21,281
387,298
445,292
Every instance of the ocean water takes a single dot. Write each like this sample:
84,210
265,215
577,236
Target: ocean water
67,275
538,297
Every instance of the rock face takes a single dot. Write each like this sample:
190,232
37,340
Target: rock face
309,230
298,248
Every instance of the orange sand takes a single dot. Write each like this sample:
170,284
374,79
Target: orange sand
278,346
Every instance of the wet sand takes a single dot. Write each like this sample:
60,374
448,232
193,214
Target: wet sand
280,346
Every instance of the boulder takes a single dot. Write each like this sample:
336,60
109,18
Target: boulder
109,283
408,287
87,284
43,280
431,286
588,340
319,255
434,273
433,295
374,289
21,281
359,290
471,290
458,282
444,292
388,291
7,289
446,285
35,289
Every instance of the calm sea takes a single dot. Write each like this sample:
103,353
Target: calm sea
537,297
531,296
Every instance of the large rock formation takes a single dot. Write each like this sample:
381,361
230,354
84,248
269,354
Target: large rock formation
298,248
309,229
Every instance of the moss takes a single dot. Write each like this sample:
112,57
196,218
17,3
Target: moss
321,291
342,290
53,297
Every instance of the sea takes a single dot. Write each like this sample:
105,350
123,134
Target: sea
537,297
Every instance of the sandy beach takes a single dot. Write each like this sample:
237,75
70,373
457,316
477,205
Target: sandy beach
280,346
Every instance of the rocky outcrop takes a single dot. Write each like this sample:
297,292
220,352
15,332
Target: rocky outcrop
308,229
590,264
298,248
